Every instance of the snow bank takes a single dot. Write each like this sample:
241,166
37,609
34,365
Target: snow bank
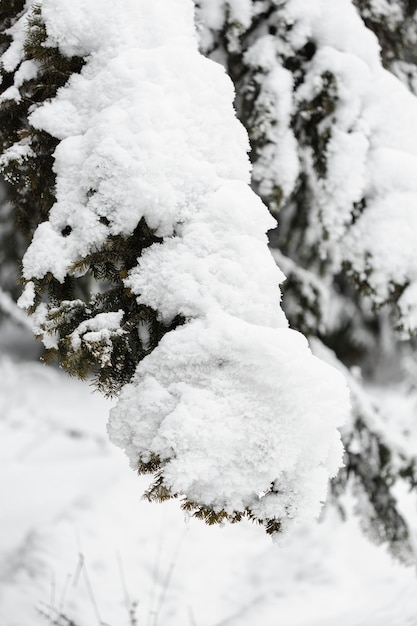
238,413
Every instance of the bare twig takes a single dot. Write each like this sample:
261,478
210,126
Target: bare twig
130,606
89,587
191,616
168,577
64,593
123,580
152,609
78,569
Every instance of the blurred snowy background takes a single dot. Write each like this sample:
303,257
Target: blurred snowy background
80,547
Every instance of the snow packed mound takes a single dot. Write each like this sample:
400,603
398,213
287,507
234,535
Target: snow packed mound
230,410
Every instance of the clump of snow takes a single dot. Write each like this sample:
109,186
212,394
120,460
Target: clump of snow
27,298
226,427
386,9
240,414
27,70
336,25
217,261
17,152
8,306
12,57
39,320
96,334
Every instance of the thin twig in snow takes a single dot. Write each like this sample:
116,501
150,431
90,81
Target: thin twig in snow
168,577
152,609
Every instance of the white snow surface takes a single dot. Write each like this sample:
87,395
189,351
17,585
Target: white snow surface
77,538
233,403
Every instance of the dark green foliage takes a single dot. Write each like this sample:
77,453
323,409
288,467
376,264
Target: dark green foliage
112,361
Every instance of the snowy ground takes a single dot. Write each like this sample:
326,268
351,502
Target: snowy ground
77,539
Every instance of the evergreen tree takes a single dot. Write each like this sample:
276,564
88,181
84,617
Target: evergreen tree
149,266
334,157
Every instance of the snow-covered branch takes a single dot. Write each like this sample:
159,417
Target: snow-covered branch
227,406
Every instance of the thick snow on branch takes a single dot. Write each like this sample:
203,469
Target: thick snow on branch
239,414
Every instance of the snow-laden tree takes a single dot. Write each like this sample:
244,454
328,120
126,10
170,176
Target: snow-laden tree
149,264
334,152
331,142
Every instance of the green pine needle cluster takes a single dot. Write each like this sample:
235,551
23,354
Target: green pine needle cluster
160,492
